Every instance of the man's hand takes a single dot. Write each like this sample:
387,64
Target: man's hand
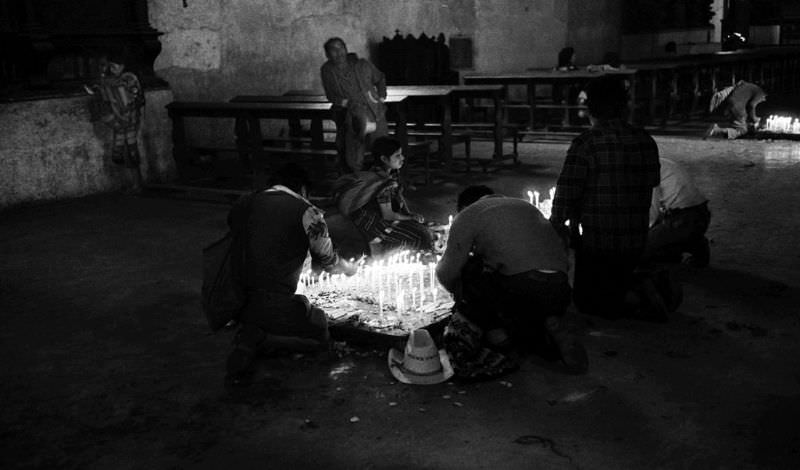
418,217
563,233
345,267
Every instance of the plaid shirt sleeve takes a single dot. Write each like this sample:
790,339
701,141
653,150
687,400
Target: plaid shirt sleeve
319,240
571,184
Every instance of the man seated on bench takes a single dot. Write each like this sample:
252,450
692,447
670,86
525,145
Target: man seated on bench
283,227
357,90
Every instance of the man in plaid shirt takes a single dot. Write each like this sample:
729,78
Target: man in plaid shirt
605,189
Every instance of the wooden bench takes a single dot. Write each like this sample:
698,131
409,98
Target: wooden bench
457,138
249,143
471,130
544,105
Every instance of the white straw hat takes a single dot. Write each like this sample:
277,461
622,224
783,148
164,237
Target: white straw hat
421,363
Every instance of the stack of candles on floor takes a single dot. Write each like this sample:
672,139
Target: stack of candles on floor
401,283
782,125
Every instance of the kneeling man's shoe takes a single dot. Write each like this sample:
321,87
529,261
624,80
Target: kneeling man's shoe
239,368
700,257
711,131
655,308
241,361
573,354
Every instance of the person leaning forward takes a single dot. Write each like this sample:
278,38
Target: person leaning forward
507,269
679,218
738,104
357,90
604,189
282,229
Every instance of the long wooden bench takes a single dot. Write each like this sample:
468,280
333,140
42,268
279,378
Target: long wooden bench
543,105
468,131
249,143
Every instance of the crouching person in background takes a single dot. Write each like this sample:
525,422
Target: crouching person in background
507,269
282,228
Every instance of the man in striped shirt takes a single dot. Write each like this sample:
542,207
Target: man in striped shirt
282,229
605,186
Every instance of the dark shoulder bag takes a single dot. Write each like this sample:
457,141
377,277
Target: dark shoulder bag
223,291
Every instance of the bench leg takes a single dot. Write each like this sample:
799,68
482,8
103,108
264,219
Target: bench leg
427,165
467,151
515,140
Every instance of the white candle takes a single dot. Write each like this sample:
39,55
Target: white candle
398,301
421,283
397,286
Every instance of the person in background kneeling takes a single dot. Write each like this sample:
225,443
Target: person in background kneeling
738,104
602,201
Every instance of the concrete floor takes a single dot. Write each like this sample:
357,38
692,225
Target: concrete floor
108,363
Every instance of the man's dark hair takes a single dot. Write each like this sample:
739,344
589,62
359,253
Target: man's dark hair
332,40
293,176
725,79
606,97
472,194
612,58
565,57
384,147
118,55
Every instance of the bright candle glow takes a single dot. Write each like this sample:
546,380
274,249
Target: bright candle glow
782,124
399,283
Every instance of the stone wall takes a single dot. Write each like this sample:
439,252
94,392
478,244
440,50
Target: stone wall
51,150
652,45
513,35
594,28
215,49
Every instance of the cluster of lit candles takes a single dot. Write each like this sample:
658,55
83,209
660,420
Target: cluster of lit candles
782,124
401,282
545,206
